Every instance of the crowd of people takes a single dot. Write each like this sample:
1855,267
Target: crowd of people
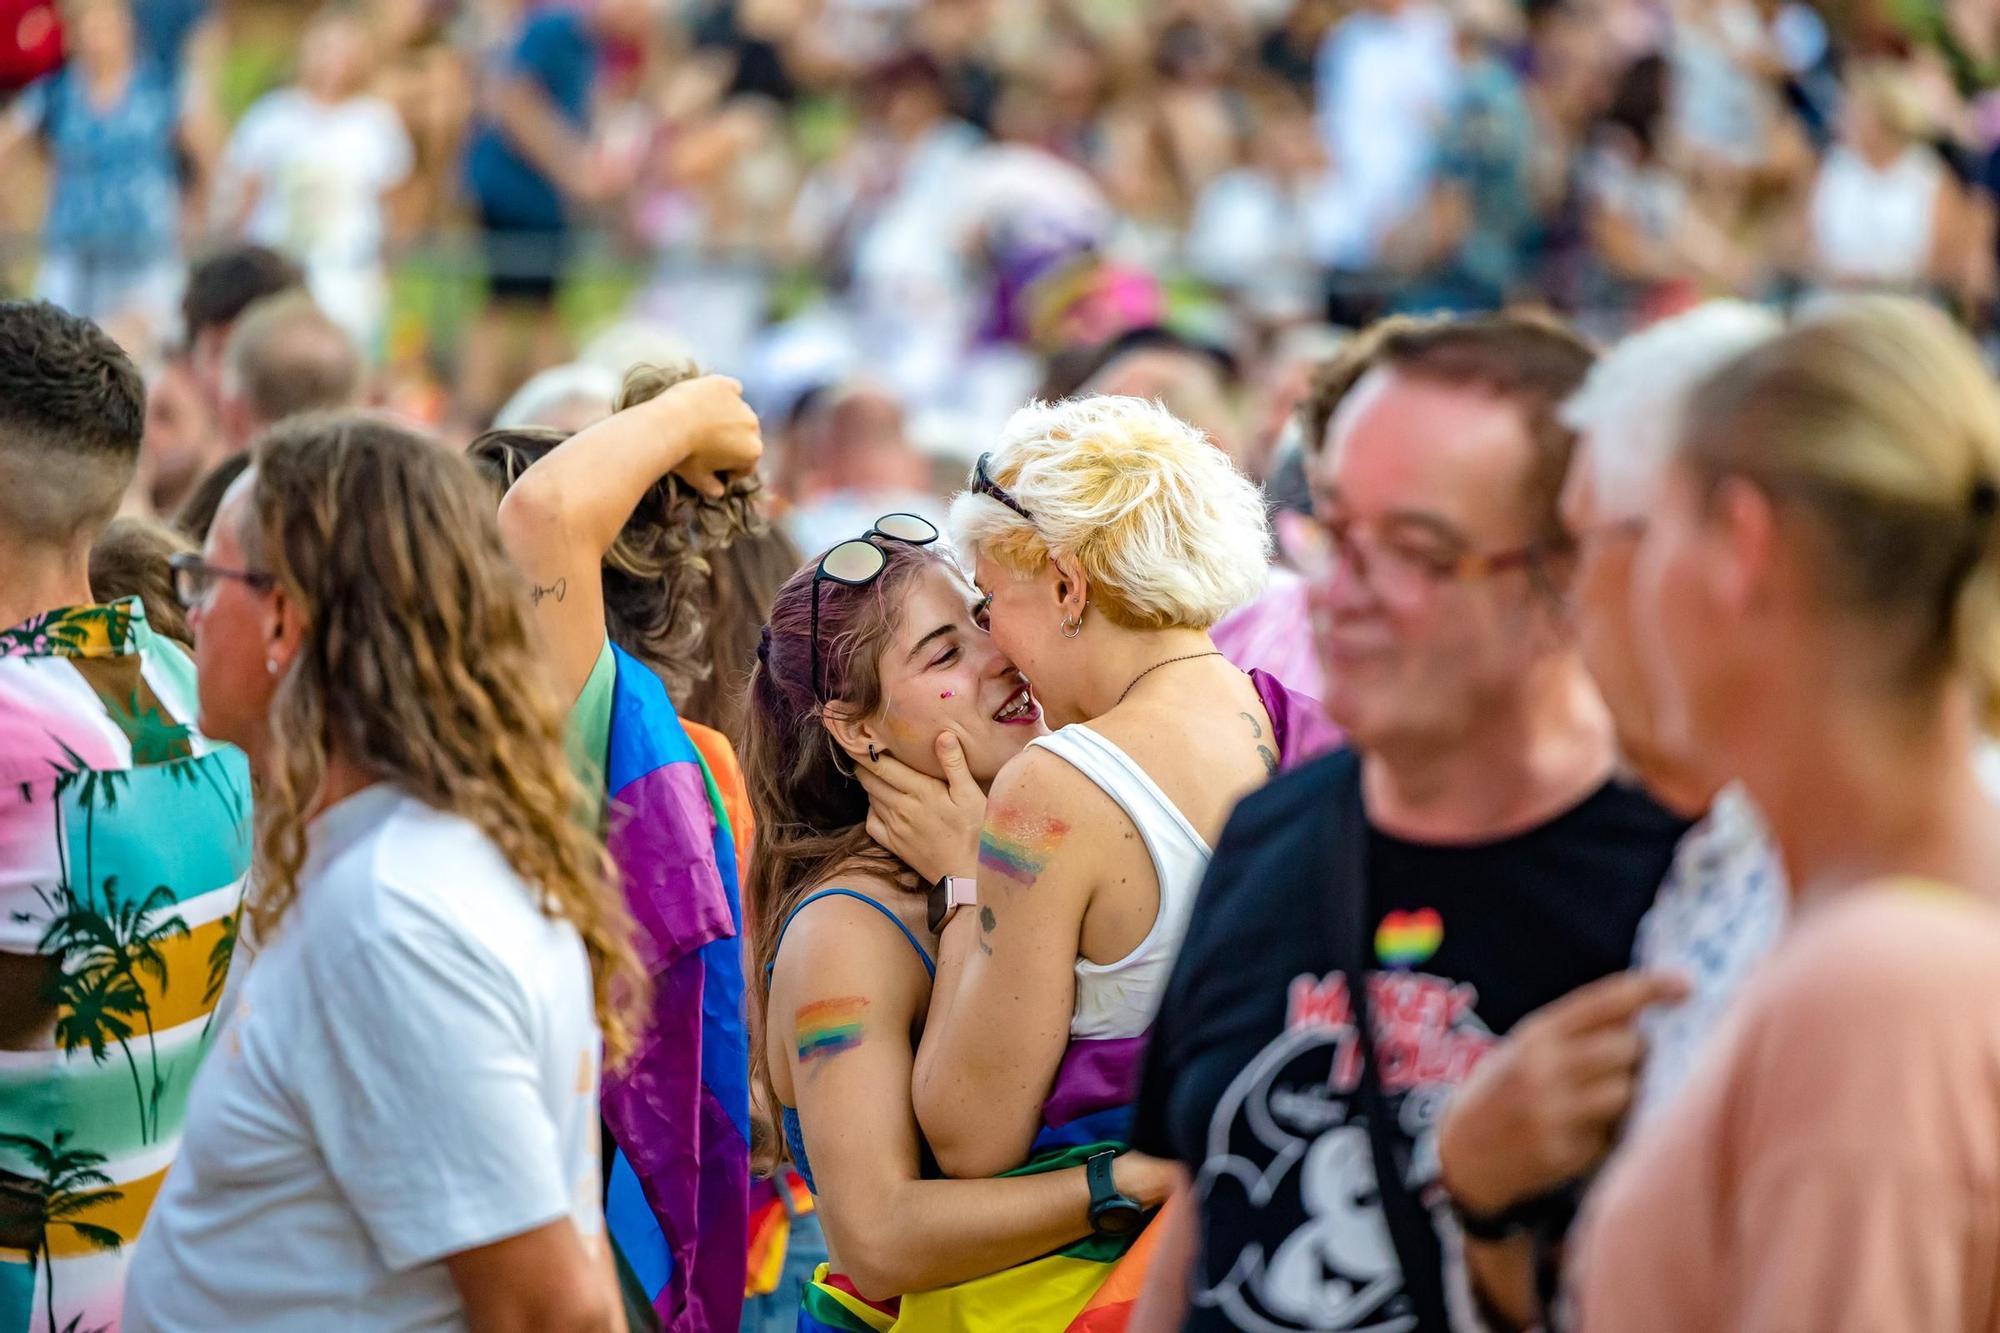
509,887
952,194
1242,666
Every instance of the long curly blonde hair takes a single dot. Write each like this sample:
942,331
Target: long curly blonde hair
418,666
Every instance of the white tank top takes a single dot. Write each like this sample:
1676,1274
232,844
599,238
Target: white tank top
1119,999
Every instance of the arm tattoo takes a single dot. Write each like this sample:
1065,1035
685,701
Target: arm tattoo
558,590
1256,731
827,1028
986,923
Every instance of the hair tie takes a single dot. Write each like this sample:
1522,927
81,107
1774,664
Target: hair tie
1985,499
764,645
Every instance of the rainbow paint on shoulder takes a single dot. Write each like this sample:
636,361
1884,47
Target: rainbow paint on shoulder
825,1028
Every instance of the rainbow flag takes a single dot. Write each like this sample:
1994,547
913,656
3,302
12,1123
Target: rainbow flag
773,1205
1087,1287
678,1196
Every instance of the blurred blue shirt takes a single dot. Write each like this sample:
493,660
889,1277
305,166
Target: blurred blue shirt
556,52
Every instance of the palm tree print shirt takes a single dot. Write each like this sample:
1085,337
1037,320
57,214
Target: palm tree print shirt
124,843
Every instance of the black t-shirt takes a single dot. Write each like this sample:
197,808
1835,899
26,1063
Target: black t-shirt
1252,1060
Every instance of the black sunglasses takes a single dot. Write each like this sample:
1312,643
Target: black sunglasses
982,484
858,562
194,579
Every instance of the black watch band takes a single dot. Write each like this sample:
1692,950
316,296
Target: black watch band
1514,1220
1111,1213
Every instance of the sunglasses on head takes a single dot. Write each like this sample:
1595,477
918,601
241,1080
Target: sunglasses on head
982,484
858,562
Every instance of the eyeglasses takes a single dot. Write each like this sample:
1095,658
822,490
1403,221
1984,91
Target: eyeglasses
194,579
1617,529
982,484
858,562
1404,570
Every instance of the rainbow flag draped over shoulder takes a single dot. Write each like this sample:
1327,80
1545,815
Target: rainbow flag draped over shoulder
678,1196
1087,1287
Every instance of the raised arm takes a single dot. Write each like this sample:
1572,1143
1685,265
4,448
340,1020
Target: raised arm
848,993
564,513
1006,983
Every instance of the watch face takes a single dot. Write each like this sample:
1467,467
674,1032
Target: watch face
940,905
1117,1217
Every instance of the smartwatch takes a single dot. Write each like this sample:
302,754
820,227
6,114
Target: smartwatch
947,896
1517,1219
1111,1213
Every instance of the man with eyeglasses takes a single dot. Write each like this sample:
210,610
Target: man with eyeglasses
1474,858
124,840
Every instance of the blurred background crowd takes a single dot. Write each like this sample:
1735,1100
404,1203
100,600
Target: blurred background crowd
895,220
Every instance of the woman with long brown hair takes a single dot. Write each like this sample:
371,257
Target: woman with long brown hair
873,650
399,1124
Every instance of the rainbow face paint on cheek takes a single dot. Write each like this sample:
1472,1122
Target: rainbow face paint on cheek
825,1028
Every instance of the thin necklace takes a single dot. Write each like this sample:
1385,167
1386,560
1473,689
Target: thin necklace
1213,652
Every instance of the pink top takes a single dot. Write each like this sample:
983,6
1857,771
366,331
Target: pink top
1834,1163
1274,634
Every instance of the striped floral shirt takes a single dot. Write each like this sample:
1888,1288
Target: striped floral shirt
124,846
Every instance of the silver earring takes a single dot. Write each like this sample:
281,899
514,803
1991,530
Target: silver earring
271,665
1072,628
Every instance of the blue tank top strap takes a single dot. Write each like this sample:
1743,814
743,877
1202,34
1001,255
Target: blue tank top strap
908,934
795,1138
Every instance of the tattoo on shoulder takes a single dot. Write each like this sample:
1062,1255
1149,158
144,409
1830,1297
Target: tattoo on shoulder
1264,752
828,1028
558,590
1019,856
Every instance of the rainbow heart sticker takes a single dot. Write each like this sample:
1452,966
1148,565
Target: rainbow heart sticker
1405,939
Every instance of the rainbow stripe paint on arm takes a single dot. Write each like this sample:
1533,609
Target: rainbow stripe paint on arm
826,1028
1019,855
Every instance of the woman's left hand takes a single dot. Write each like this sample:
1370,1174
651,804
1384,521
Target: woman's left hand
932,825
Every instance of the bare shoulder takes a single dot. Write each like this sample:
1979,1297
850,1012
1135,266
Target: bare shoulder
1038,778
844,940
1042,799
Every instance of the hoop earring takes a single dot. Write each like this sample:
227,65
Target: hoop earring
872,756
1072,628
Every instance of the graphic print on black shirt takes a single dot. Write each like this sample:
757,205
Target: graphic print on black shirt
1254,1062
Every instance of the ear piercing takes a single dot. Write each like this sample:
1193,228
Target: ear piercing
872,756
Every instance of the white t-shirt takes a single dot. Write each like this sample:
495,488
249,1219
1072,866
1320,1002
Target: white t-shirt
1383,85
1875,227
321,172
411,1071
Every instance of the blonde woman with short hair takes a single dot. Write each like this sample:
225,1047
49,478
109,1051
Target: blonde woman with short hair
1820,583
1108,537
